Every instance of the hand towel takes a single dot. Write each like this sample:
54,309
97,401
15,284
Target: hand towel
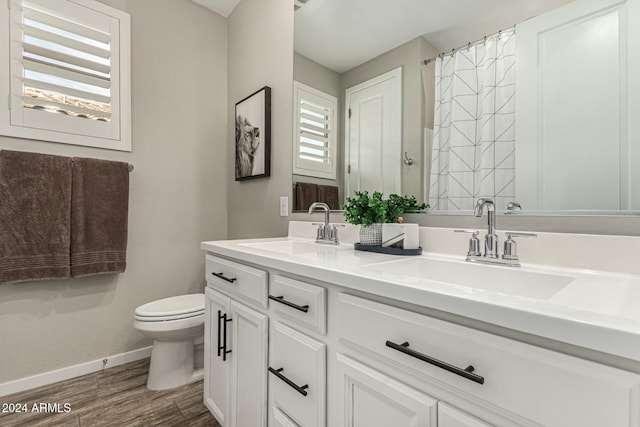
306,194
35,208
329,195
99,215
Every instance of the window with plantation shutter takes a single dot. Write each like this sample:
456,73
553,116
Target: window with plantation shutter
68,78
315,131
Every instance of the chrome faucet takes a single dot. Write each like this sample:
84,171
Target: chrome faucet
327,233
490,255
490,239
513,207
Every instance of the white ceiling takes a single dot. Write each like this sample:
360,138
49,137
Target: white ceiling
342,34
221,7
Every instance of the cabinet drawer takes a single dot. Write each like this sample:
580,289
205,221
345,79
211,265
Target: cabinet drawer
299,361
247,283
299,303
448,416
279,419
539,385
367,397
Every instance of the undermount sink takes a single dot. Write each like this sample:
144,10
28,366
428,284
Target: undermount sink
512,281
292,247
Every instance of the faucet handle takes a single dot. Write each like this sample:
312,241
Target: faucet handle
321,231
473,232
510,247
474,242
511,234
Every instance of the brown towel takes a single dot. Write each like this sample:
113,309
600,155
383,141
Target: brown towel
329,195
306,194
35,204
99,211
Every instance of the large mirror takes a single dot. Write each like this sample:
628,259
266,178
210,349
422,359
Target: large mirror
526,101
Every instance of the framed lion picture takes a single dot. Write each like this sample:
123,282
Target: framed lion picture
253,135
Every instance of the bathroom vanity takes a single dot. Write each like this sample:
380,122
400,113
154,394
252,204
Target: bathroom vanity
302,334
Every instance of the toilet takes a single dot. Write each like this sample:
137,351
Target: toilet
176,325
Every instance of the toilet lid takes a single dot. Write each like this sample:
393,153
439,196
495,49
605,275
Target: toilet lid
175,307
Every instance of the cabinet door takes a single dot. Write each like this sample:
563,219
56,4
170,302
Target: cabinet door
369,398
248,381
216,370
449,416
300,359
281,420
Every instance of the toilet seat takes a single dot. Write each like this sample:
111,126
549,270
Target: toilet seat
172,308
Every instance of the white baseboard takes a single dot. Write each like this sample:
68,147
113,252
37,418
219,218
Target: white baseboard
51,377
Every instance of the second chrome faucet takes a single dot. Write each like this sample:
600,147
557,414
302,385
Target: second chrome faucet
491,255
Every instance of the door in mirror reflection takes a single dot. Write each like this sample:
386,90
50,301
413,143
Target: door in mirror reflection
374,135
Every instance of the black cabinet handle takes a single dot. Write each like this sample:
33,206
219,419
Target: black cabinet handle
222,324
466,373
219,335
221,276
278,373
281,300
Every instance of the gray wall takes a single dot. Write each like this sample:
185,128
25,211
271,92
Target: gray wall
409,56
316,75
261,53
177,198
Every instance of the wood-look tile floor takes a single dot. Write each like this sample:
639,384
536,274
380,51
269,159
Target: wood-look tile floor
116,397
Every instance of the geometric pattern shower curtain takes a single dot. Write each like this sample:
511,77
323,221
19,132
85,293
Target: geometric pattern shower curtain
473,152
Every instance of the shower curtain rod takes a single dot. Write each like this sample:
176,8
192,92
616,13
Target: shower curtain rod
468,45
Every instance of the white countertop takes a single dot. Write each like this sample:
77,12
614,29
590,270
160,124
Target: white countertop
590,309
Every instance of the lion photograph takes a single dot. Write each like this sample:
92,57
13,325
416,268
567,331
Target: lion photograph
252,142
247,143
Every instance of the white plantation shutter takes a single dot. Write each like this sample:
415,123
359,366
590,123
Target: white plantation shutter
69,73
315,131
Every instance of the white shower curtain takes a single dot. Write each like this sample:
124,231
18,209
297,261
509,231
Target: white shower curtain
473,151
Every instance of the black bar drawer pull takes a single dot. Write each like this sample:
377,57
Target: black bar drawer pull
220,346
280,299
221,276
467,372
278,373
222,324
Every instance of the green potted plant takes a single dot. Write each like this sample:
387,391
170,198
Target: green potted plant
371,211
399,205
368,211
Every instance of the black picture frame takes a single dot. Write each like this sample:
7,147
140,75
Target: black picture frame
253,136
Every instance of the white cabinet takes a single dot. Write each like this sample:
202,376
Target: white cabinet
297,380
519,383
342,360
248,377
235,362
216,369
370,398
299,303
449,416
279,419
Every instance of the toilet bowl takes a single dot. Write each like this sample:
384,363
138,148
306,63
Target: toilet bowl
175,324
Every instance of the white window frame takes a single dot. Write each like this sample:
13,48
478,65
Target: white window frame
307,167
21,122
